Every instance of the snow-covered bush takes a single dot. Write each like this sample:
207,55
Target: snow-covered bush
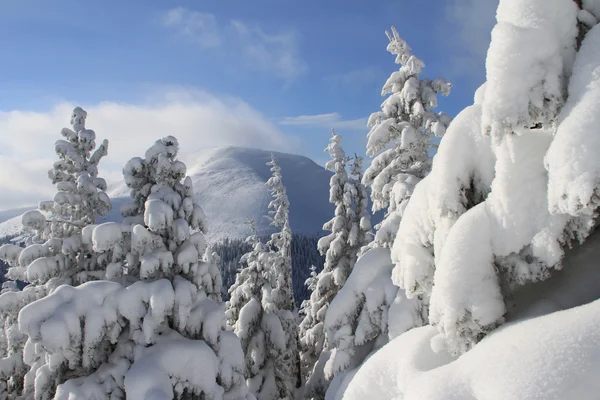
56,253
261,308
401,136
162,336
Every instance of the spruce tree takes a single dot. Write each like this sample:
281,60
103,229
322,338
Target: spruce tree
361,233
340,250
162,335
401,137
261,309
56,253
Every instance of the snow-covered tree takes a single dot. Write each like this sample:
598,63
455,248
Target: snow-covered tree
514,181
162,336
311,285
361,231
253,317
261,309
349,232
401,136
56,253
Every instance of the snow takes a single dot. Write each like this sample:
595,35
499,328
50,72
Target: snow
553,357
356,320
464,162
532,45
572,162
106,236
174,365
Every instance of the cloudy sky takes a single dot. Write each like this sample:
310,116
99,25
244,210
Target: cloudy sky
272,74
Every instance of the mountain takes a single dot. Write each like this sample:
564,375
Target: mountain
230,186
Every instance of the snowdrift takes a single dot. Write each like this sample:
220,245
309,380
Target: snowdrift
555,356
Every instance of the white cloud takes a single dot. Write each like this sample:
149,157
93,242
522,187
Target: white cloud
331,120
202,28
197,119
470,24
272,52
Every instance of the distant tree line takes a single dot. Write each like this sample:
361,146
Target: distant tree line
304,254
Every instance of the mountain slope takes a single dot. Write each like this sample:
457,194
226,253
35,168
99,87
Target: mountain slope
230,187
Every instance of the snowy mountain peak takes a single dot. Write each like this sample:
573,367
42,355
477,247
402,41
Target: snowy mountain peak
230,186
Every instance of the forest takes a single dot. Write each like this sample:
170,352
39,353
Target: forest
479,283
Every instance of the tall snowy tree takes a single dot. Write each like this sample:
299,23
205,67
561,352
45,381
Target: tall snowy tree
401,136
56,253
162,336
340,248
520,182
401,140
361,231
283,293
261,308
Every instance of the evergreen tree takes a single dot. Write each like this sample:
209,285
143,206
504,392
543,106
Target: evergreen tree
361,233
401,136
340,248
253,317
288,365
56,253
401,140
162,336
304,254
261,308
516,183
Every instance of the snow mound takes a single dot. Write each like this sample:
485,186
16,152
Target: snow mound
230,185
562,349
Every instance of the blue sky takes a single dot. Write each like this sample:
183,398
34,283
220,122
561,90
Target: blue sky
276,73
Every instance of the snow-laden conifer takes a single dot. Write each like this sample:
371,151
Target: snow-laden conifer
401,140
513,183
361,233
402,136
349,231
156,331
261,309
56,253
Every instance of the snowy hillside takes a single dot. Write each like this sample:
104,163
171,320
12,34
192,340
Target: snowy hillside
230,187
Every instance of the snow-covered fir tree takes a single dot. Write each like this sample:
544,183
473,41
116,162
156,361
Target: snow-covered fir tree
340,248
282,295
361,233
162,336
253,317
526,141
401,136
261,309
56,253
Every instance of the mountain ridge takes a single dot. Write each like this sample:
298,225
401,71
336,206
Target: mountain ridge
230,187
